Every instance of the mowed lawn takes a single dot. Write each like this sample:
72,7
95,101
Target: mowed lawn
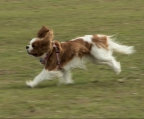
98,92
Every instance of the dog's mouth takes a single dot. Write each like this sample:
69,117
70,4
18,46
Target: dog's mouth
33,54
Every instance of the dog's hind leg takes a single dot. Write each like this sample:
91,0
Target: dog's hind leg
103,56
113,64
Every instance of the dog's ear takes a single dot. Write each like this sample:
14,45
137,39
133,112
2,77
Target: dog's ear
43,32
49,36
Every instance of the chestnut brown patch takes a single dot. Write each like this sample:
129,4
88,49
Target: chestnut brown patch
100,41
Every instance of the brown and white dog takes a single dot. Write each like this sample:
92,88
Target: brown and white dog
60,57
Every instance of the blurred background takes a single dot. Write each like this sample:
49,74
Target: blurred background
97,92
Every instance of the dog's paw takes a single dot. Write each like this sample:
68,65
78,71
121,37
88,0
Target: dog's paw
69,82
30,84
118,70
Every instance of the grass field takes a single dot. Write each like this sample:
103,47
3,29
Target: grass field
97,92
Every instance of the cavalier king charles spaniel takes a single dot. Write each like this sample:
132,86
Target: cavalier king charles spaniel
59,58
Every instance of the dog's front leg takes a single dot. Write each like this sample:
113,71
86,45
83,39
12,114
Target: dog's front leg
45,74
68,77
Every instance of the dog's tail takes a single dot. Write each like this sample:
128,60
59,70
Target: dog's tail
116,47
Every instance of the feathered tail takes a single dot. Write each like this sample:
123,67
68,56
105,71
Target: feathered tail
116,47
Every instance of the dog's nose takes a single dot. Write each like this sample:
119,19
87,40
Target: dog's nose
27,47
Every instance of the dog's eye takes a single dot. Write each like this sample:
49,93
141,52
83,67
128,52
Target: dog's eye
34,46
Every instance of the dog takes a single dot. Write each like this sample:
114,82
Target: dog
59,58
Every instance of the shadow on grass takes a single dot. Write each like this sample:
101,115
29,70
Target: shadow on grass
24,87
86,84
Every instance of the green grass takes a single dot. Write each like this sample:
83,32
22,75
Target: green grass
98,93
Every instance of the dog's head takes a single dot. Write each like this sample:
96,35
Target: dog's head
42,43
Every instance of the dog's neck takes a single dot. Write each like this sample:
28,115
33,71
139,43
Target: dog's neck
44,58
